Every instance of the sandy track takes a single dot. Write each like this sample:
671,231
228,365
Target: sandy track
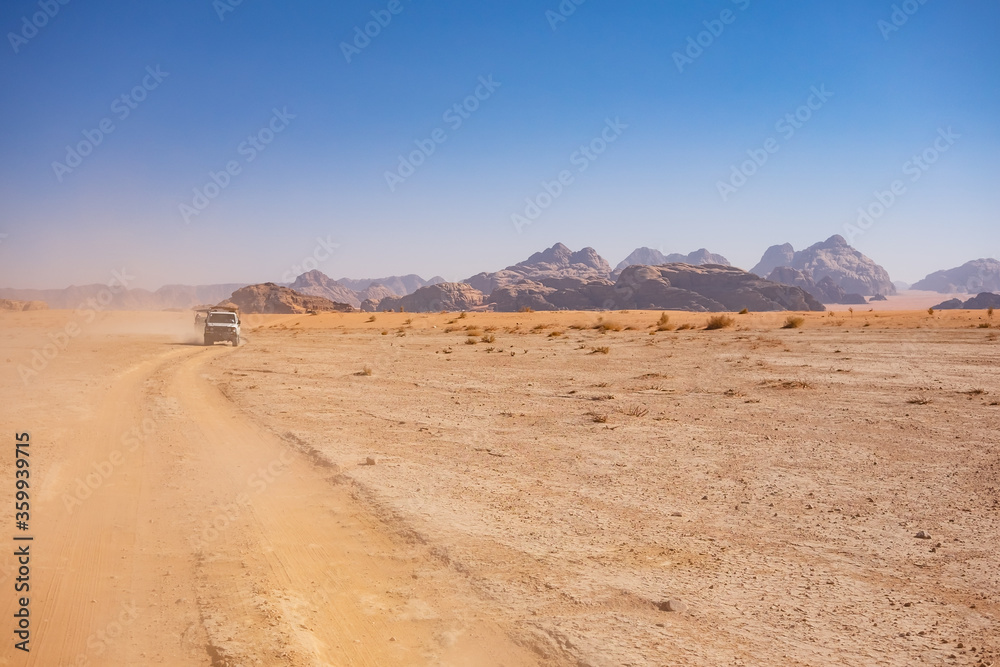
206,541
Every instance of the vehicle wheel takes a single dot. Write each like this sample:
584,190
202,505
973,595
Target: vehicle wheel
236,342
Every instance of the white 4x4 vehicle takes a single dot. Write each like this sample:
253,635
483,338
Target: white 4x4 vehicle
222,325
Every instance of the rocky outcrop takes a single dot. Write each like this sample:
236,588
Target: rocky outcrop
825,291
397,285
317,283
704,288
775,256
982,301
652,257
555,262
269,298
442,296
376,292
833,258
20,306
980,275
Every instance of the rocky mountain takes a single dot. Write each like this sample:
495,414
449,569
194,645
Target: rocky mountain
19,306
669,287
825,291
398,285
555,262
376,292
981,301
833,258
652,257
433,298
972,277
317,283
269,298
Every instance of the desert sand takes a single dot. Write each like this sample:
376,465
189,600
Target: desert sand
508,489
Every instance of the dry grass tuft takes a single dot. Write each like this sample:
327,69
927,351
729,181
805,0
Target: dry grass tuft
719,322
794,322
489,338
371,319
635,411
920,400
685,327
366,371
604,349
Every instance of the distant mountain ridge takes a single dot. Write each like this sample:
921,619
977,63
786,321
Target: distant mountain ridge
555,262
653,257
834,258
979,275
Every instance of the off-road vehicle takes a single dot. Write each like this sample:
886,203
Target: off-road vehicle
222,325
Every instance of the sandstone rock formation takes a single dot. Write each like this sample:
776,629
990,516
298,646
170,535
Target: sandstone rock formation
398,285
980,275
825,291
555,262
434,298
652,257
848,268
269,298
317,283
981,301
670,287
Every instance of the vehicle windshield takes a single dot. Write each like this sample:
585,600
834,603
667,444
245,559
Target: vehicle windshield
222,318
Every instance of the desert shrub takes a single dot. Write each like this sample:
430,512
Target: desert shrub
471,341
719,322
409,320
385,332
526,309
555,334
745,311
989,312
489,338
604,349
605,326
367,370
793,322
636,411
685,327
473,331
462,315
930,311
371,319
663,324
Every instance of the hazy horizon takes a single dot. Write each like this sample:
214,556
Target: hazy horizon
299,120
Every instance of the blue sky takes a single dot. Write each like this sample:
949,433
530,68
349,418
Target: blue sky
889,95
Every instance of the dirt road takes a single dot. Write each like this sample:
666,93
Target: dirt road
168,530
